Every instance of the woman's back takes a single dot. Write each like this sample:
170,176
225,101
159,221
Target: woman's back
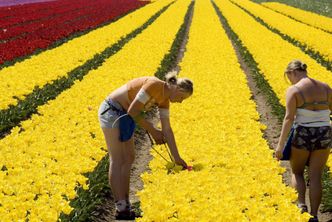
312,103
312,95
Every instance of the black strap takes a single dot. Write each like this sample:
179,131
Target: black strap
111,107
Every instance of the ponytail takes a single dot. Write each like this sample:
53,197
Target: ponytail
296,64
184,84
171,78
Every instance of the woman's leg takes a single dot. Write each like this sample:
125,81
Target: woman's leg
128,156
298,160
318,159
115,148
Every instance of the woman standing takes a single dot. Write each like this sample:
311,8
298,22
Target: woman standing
130,101
308,105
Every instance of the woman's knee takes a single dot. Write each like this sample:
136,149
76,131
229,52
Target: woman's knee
315,176
116,163
298,172
129,152
317,163
129,159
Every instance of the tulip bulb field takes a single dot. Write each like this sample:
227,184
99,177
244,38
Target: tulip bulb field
60,59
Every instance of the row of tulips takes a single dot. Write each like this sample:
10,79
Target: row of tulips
44,163
19,80
310,18
20,16
48,22
273,53
43,33
218,128
314,39
11,11
24,108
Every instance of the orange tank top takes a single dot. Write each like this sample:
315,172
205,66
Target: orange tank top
153,86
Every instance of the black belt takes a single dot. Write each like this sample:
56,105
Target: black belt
111,107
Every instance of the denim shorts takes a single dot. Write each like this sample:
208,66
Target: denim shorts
107,119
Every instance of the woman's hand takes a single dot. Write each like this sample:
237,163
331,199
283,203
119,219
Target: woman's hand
158,136
288,120
180,161
278,153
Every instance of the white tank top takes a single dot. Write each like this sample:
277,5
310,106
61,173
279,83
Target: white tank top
310,118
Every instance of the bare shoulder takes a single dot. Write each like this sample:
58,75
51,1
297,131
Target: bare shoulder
320,83
328,89
326,86
153,86
150,79
292,90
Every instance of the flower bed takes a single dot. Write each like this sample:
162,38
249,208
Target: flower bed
218,128
310,18
58,24
56,147
309,39
19,80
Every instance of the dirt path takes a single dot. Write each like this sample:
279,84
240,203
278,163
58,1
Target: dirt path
272,132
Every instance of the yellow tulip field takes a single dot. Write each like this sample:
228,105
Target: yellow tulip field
46,149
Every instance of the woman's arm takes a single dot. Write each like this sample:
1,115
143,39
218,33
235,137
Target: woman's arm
135,111
288,120
170,139
330,97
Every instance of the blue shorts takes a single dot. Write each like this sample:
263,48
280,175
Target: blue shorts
107,119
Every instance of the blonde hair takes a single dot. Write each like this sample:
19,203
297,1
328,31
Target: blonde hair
296,65
185,84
